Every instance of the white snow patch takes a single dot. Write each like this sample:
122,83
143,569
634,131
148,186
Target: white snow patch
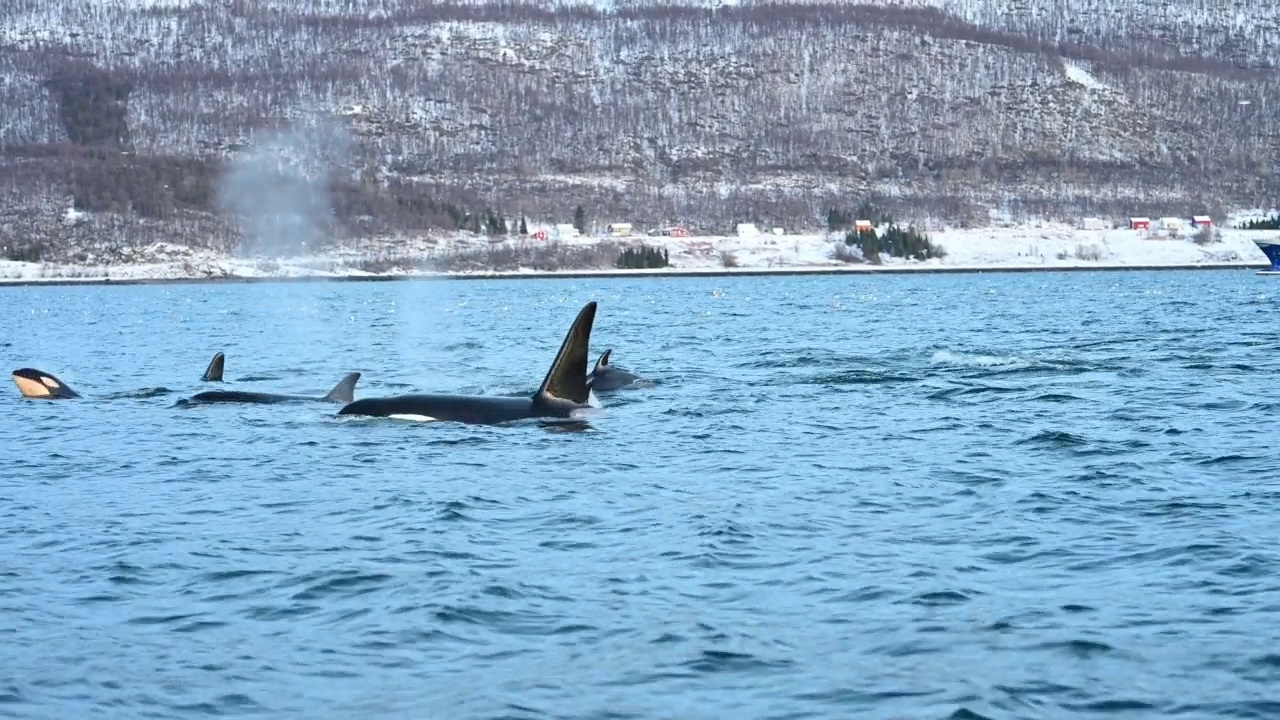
1079,75
1027,246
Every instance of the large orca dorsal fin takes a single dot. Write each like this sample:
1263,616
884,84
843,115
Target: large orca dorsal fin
603,362
213,373
345,390
34,383
566,381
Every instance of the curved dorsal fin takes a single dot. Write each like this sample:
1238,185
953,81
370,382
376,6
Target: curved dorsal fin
345,390
566,381
603,362
213,373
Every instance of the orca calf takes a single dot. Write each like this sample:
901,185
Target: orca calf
34,383
609,377
563,391
343,392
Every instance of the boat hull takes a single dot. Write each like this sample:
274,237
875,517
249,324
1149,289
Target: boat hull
1270,248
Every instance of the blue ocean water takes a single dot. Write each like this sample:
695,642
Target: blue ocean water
1036,495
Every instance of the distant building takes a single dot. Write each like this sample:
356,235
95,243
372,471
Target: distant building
1171,223
861,226
1091,223
779,231
620,229
1199,221
747,230
565,231
1139,223
676,232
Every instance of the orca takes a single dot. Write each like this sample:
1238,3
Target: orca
343,392
609,377
563,391
213,373
34,383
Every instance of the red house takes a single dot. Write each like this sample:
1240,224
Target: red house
1139,223
1199,221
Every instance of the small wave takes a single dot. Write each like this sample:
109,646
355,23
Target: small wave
1054,439
967,714
464,345
719,661
862,377
347,584
140,394
1056,397
947,357
971,389
1232,459
1111,706
232,704
1079,648
1267,709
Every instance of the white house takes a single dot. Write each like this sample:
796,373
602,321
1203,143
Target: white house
748,230
1091,223
565,231
1171,223
620,229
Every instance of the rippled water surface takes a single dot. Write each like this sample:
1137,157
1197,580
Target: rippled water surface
1004,496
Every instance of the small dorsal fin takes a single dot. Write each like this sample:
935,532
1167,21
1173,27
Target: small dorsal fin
213,373
603,362
566,380
345,390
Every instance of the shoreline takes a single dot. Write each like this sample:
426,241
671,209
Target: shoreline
819,270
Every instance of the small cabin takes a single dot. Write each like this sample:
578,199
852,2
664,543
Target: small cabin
1201,221
565,231
779,231
539,234
1171,223
620,229
1092,223
861,226
1139,223
747,230
676,232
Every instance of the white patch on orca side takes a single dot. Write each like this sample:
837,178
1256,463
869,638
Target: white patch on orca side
594,401
30,388
586,413
412,418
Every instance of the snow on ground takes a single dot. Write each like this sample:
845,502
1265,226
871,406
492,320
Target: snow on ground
1046,246
1079,75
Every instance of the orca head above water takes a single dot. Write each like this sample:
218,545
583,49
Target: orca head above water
34,383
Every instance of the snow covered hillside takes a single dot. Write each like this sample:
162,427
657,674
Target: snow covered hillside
305,123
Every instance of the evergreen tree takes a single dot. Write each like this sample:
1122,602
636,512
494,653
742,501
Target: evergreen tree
524,229
580,220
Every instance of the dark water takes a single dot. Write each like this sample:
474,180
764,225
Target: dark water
1003,496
